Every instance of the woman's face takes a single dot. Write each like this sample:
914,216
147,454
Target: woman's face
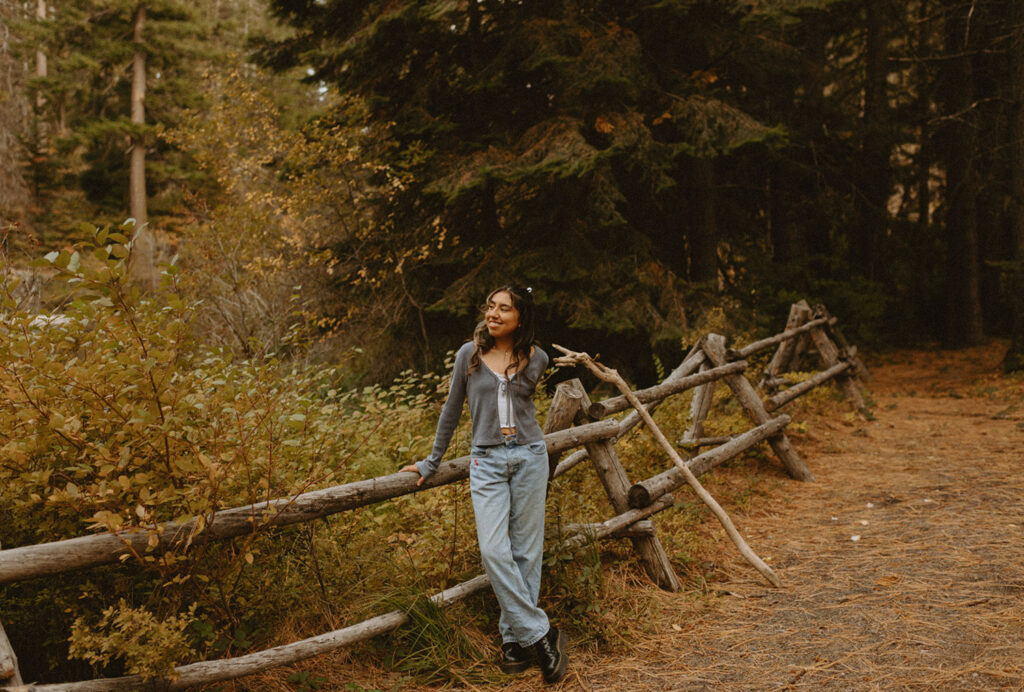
501,316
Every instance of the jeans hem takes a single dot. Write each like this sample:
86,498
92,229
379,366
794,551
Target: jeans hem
539,637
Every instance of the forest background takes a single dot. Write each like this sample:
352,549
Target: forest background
319,193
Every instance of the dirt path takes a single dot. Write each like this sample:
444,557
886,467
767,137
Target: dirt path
903,563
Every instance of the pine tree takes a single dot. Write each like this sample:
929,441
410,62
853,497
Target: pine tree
571,146
91,101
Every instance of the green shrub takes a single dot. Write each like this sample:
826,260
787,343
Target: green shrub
149,646
116,415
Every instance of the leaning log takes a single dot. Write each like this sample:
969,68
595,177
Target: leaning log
616,484
206,672
830,355
846,351
32,561
782,398
647,491
700,407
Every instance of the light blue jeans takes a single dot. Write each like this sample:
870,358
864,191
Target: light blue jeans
508,483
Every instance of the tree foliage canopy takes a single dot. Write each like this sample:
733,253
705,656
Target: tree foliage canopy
547,142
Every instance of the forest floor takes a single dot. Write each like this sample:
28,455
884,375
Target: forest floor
903,564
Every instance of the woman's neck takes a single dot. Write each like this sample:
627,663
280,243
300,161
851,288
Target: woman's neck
503,345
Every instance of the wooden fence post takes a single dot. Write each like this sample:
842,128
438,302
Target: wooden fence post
785,353
616,485
700,406
714,347
830,355
564,407
801,343
846,351
9,675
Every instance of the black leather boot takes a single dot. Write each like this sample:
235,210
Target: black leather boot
551,656
515,658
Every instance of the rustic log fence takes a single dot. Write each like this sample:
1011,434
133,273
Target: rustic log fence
573,422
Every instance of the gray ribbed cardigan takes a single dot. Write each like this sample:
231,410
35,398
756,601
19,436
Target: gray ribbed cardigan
481,389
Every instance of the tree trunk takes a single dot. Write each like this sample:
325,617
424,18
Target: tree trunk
143,270
41,73
817,240
958,140
923,159
1014,359
873,168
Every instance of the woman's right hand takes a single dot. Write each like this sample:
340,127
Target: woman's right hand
411,468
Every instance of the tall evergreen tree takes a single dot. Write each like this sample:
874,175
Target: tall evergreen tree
958,138
876,145
1014,359
97,66
142,268
570,145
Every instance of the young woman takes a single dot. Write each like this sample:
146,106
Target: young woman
498,372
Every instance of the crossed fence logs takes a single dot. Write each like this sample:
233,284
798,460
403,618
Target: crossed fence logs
573,422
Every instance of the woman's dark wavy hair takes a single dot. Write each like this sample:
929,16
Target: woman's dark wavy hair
522,339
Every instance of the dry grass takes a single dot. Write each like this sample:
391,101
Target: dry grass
929,596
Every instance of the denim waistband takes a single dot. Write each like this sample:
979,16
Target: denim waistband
510,440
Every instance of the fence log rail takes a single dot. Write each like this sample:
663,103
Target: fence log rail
647,491
699,442
19,564
752,348
206,672
706,364
782,398
608,407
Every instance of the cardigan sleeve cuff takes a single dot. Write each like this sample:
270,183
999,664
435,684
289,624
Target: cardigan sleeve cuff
427,467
